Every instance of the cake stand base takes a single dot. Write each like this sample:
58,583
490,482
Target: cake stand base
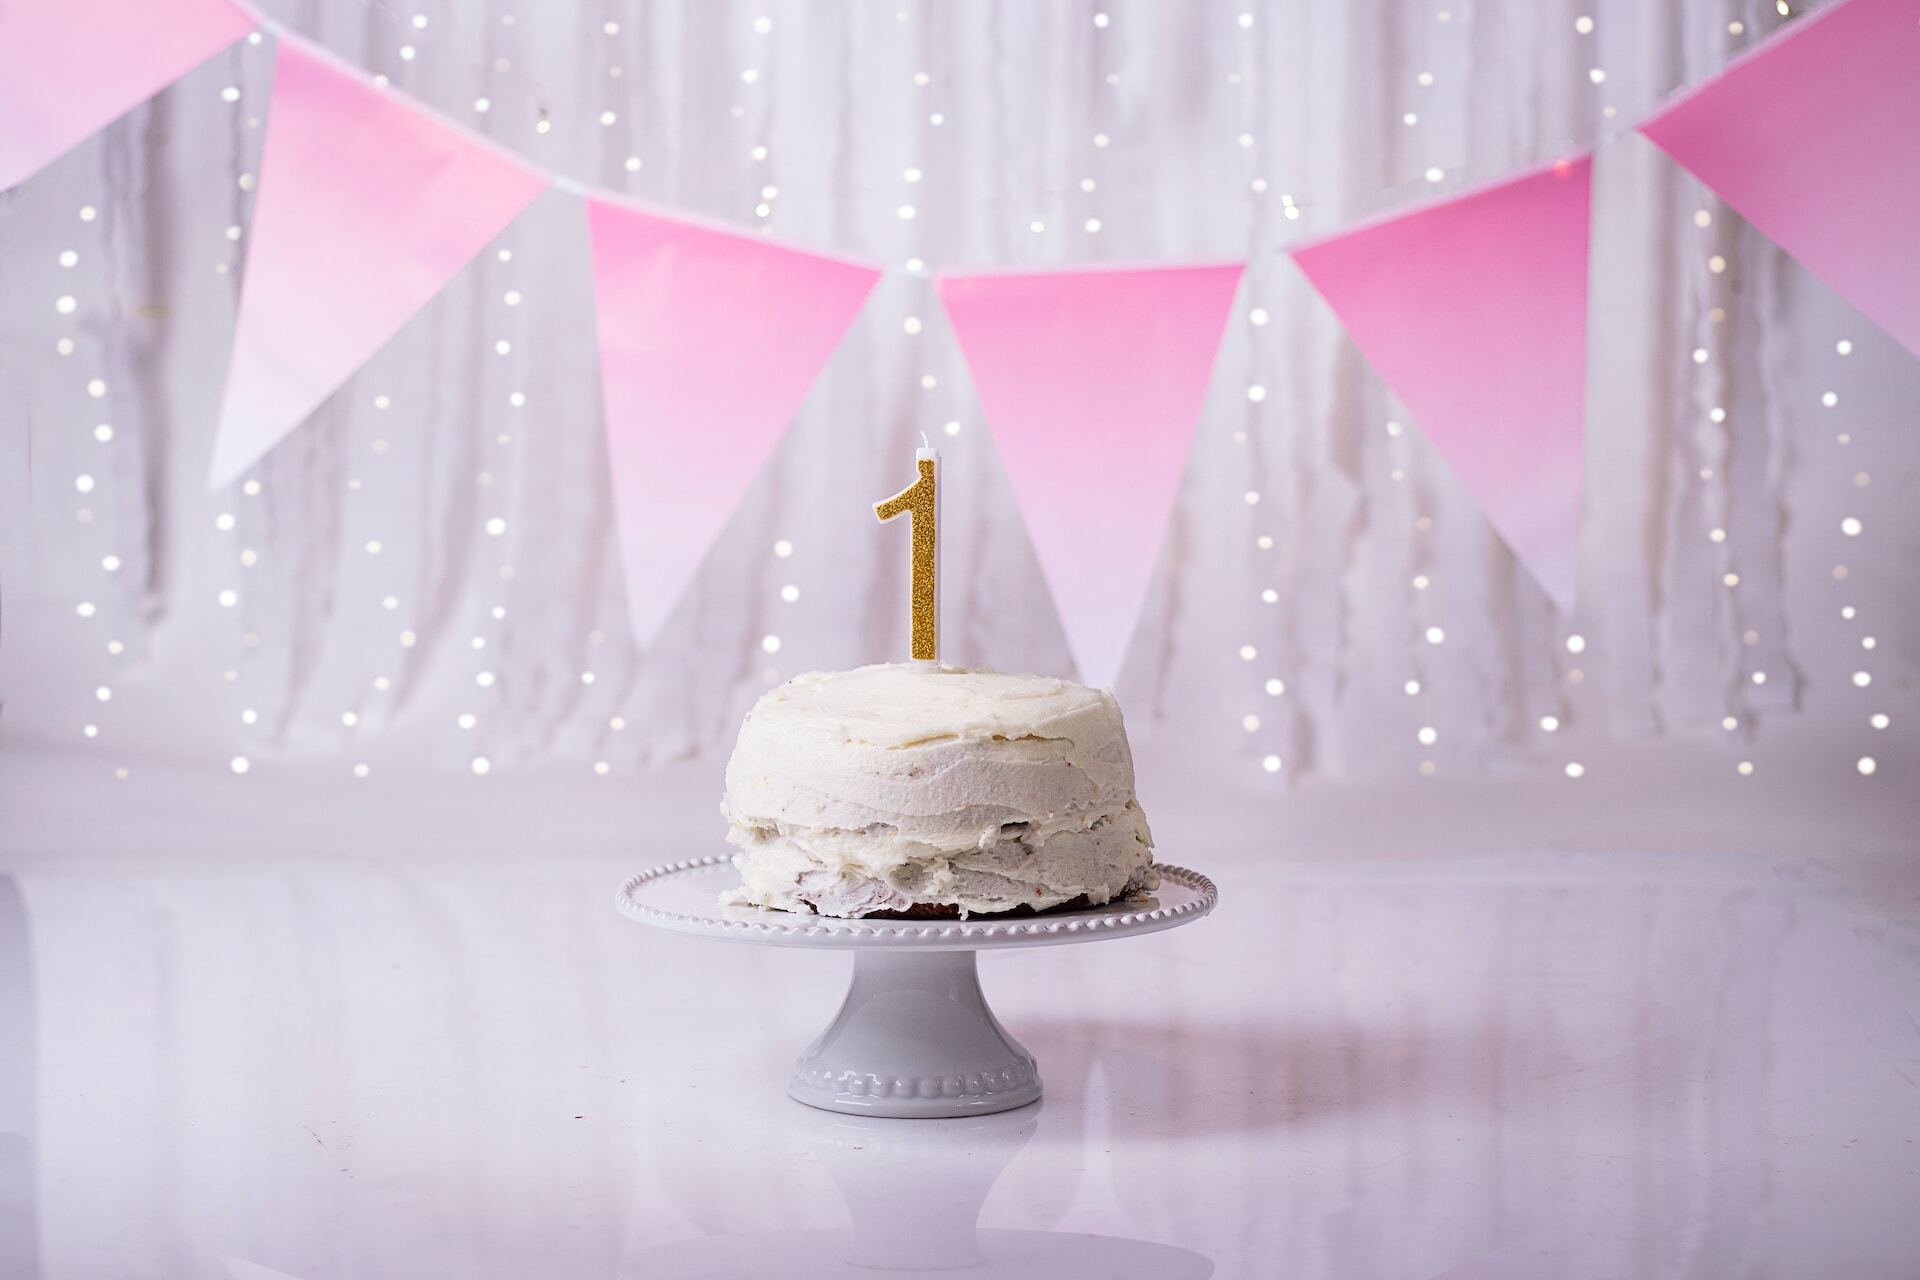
914,1038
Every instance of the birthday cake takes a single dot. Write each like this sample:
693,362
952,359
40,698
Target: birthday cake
934,791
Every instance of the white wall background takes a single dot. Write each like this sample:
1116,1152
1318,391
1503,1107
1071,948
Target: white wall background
1018,133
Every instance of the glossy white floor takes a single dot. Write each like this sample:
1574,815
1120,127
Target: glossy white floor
244,1049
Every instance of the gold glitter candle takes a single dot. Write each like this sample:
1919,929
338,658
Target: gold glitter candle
921,501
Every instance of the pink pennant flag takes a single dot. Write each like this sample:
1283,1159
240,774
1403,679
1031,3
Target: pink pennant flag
709,340
1092,381
367,206
1474,310
1815,138
69,67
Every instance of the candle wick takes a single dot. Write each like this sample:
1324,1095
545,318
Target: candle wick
924,442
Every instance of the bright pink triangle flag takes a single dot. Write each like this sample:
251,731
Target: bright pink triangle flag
1092,381
69,67
367,206
709,341
1815,138
1474,310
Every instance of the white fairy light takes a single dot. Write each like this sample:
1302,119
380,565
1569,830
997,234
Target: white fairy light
1549,723
1436,635
770,643
1248,653
481,766
239,764
1271,764
1428,735
1575,769
1576,643
1276,687
1866,765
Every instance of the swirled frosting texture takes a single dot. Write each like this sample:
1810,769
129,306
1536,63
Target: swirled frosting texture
890,786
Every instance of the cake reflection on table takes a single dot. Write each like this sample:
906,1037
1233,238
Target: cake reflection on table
914,1193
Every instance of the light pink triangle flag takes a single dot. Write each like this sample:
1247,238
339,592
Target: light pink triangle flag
1092,381
709,341
367,206
69,67
1474,310
1814,137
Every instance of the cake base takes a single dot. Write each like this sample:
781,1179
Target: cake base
915,1039
947,911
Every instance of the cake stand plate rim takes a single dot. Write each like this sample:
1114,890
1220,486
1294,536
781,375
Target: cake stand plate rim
1185,895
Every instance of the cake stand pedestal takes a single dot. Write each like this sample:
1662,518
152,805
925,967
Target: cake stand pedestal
914,1037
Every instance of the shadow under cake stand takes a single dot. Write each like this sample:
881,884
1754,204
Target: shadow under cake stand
914,1037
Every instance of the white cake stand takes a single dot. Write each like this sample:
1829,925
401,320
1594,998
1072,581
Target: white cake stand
914,1037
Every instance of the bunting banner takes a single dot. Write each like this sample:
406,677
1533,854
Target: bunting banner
1812,138
367,206
709,341
70,67
1473,309
1092,382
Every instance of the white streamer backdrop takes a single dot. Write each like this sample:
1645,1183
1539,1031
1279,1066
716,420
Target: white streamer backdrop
425,574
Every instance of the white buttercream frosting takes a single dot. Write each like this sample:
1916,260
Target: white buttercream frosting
885,787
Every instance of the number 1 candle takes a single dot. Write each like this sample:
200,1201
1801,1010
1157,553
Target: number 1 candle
921,501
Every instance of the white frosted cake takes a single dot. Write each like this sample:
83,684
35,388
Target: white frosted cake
943,791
